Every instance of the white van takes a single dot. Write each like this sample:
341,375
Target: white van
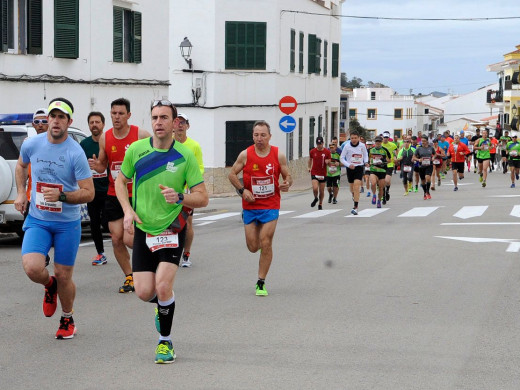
12,133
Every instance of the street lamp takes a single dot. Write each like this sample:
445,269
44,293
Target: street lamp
186,47
514,110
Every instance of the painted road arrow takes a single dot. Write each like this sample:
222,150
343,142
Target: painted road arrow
514,244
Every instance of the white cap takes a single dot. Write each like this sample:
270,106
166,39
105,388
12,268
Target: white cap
40,112
386,134
184,116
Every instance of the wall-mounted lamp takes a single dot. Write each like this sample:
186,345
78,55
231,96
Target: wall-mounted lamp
186,47
514,110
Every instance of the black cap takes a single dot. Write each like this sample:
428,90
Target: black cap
379,139
319,140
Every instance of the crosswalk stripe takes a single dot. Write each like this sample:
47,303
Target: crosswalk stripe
216,217
318,213
516,211
286,212
419,212
367,213
470,212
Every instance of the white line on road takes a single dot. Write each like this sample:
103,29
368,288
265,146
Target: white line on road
419,212
504,196
516,211
318,213
478,223
470,212
203,223
367,213
286,212
216,217
514,246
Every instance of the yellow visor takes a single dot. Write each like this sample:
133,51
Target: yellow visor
62,106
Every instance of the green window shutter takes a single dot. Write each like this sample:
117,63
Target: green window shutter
318,56
293,51
118,35
311,55
137,27
34,27
231,45
325,60
260,45
335,60
66,28
4,25
245,45
301,57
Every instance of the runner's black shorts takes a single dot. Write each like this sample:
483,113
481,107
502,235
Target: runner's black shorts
333,181
113,209
355,174
503,153
389,171
457,166
144,260
379,175
313,177
425,171
481,160
514,163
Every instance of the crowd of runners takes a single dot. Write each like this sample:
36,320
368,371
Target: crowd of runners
420,160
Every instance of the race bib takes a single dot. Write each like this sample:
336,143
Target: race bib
377,159
262,187
319,177
425,161
166,239
115,168
435,162
357,159
333,169
42,204
407,168
485,147
513,153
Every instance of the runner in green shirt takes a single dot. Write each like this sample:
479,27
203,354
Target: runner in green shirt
483,156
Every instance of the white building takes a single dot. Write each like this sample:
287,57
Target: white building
246,56
90,52
381,109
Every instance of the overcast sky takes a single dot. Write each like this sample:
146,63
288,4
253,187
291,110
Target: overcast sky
426,56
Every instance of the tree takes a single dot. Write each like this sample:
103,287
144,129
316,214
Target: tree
356,82
376,85
354,125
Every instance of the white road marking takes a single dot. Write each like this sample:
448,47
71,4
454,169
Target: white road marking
514,245
478,223
318,213
286,212
203,223
516,211
216,217
367,213
419,212
470,212
504,196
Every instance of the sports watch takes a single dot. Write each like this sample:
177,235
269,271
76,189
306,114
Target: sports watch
62,197
181,198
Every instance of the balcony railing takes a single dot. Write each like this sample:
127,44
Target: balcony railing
494,96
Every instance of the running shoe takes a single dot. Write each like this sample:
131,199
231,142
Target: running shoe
374,198
416,189
475,171
512,185
164,353
455,188
384,199
387,195
157,323
406,193
314,202
428,196
378,204
67,329
50,299
353,211
320,207
334,201
517,176
439,182
432,188
361,190
483,184
260,290
368,194
186,263
481,179
128,285
99,260
425,197
330,198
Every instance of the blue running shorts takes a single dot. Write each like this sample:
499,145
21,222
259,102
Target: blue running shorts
40,236
260,216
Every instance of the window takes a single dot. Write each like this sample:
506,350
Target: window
293,50
314,54
398,133
320,125
352,113
127,36
300,137
290,146
311,132
239,136
246,45
371,133
398,113
372,95
426,110
301,52
335,60
66,28
372,113
21,26
325,64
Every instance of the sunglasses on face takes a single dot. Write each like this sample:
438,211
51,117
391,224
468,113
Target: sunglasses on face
183,122
42,121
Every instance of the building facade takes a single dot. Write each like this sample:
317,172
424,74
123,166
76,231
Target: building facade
246,55
90,52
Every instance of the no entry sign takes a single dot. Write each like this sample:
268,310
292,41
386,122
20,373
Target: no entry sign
287,105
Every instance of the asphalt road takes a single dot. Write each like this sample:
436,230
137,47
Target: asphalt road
410,298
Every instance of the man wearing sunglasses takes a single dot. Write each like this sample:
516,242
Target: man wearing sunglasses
112,147
160,168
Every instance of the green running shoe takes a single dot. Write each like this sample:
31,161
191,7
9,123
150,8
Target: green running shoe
157,323
260,290
481,178
164,353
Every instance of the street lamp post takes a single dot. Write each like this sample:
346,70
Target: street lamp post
186,47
